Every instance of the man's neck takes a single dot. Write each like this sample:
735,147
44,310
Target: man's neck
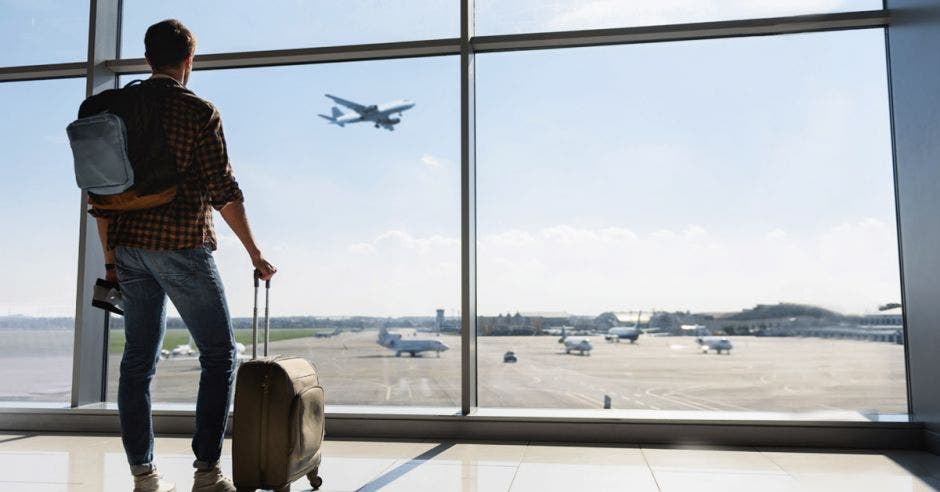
168,74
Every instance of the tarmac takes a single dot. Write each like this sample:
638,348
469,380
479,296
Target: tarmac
765,374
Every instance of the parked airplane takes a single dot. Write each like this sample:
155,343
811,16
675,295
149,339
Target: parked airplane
380,115
414,347
327,334
631,333
184,350
714,343
576,344
188,350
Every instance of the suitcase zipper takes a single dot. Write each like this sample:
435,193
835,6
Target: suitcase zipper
264,425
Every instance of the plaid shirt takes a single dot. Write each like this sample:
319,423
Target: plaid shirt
193,131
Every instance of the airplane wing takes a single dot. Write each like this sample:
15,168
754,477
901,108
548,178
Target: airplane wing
388,123
359,108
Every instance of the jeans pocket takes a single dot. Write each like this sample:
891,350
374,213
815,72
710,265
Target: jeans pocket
175,267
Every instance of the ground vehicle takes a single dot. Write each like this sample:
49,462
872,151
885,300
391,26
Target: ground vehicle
510,357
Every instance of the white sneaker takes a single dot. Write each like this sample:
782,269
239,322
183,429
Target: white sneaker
151,482
212,480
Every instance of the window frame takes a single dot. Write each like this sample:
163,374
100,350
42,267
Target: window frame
104,65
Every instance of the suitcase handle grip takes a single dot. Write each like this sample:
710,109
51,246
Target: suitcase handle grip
267,283
267,317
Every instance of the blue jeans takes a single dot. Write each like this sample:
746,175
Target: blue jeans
191,280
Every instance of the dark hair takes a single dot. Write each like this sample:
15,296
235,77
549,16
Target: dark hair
168,43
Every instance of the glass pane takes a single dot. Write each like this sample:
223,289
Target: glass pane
40,240
245,25
41,32
363,224
738,188
519,16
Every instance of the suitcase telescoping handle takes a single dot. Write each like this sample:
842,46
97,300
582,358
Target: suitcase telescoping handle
267,319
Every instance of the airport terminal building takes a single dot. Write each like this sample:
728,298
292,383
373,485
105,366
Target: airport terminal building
579,244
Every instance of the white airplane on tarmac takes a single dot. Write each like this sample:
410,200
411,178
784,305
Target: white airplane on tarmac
189,350
576,344
631,333
380,115
714,343
394,342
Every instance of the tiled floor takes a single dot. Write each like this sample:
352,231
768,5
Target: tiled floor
96,463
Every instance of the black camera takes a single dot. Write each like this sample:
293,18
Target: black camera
107,296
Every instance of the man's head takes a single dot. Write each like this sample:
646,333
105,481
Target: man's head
169,49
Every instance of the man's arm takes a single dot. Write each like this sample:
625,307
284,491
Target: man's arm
224,193
235,217
110,274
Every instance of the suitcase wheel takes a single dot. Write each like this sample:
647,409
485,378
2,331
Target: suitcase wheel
315,480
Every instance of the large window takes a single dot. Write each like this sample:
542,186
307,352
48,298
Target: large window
40,202
244,25
665,200
520,16
736,189
40,32
362,222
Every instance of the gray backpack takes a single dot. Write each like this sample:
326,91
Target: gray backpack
119,145
99,146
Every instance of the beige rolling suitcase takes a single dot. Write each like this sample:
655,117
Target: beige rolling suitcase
278,419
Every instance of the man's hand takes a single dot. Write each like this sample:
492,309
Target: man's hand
110,275
267,270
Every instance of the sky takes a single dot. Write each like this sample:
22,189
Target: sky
704,176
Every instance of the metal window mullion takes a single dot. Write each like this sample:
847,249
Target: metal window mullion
526,41
304,56
468,213
90,351
43,72
683,32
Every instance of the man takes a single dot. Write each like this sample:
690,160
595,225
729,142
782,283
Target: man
167,251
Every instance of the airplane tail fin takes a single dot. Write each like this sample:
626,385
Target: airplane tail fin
332,119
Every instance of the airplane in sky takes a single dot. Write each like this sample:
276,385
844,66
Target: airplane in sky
395,342
714,343
380,115
576,344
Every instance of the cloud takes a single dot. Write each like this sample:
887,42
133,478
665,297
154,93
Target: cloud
361,248
851,266
422,245
572,235
430,161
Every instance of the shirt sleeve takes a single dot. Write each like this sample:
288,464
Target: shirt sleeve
213,165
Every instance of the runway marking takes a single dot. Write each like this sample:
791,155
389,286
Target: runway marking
730,405
690,404
583,398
